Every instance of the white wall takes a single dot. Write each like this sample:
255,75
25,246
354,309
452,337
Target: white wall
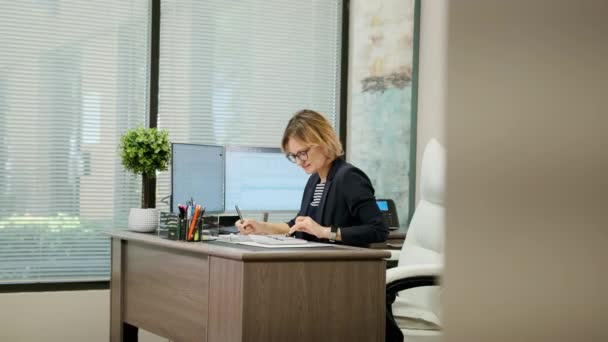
432,75
527,215
62,316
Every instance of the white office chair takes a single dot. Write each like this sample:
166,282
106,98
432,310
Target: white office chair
416,307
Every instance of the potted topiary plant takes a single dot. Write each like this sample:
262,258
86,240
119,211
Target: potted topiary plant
145,151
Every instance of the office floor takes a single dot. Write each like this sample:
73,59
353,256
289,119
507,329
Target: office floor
62,316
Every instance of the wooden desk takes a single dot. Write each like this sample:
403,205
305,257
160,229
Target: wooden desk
396,237
224,292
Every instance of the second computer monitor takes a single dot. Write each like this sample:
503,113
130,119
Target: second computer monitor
262,179
197,173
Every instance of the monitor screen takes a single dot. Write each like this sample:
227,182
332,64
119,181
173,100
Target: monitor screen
383,205
197,172
262,179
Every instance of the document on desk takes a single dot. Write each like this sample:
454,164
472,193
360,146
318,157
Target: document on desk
269,241
309,244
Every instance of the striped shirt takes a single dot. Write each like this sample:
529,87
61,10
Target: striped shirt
316,197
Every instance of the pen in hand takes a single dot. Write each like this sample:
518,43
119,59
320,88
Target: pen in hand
288,234
238,211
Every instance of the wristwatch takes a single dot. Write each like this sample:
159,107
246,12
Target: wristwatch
333,231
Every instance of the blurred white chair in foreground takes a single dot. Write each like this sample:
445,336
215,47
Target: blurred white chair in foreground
416,307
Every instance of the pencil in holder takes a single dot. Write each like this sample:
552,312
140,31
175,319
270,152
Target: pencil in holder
197,230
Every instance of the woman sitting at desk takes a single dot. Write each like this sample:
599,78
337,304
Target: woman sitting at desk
338,202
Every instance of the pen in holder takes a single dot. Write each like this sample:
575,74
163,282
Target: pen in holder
197,229
183,229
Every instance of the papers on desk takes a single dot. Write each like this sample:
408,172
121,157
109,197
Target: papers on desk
309,244
263,241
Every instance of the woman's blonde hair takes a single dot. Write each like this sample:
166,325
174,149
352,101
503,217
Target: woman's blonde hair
313,129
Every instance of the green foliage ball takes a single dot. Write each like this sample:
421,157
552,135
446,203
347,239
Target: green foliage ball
145,150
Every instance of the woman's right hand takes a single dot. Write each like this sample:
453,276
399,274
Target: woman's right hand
250,226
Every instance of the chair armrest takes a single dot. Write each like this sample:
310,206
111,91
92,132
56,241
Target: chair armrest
394,254
407,277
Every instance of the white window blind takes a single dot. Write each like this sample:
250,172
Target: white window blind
73,76
235,72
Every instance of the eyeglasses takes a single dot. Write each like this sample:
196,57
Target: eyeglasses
302,155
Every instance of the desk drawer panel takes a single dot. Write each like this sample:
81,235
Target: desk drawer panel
225,300
165,291
314,301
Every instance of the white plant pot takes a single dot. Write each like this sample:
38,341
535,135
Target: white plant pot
143,220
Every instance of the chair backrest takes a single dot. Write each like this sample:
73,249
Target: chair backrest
424,243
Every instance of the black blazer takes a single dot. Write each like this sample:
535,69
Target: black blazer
348,202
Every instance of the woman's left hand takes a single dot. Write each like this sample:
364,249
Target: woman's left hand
308,225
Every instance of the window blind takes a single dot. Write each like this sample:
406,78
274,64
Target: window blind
73,77
233,73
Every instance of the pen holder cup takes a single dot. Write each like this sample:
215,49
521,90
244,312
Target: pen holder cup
189,231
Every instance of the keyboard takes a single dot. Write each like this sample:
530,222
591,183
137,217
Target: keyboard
276,240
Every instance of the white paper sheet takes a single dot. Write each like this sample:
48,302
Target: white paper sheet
309,244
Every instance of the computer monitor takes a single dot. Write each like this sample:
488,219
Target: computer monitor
197,172
262,179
